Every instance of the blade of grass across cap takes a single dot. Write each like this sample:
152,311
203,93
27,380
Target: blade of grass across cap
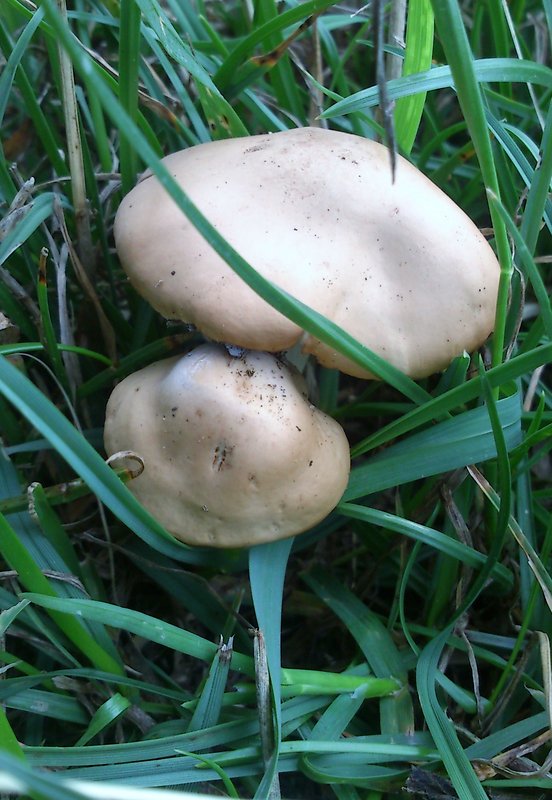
419,49
298,312
376,644
267,569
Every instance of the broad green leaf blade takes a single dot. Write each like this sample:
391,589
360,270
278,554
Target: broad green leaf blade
376,644
425,535
487,70
419,49
104,716
209,706
454,758
465,439
142,625
267,569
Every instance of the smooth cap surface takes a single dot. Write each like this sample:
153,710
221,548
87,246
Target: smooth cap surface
399,266
234,453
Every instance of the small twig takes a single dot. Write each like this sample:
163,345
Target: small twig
63,577
264,707
532,388
74,152
88,287
397,24
386,106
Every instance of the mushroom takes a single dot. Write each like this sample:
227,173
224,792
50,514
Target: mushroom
234,453
397,265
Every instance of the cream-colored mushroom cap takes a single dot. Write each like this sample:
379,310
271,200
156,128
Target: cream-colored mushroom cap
234,453
397,265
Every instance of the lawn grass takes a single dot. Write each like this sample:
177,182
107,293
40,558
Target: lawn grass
406,640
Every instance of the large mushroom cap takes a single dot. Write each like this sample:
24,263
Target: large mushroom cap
234,453
399,266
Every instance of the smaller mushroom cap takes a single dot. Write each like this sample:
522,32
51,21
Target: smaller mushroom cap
234,453
398,265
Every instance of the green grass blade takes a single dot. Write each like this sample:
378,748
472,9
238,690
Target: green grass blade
457,764
425,535
376,644
129,56
454,40
533,275
142,625
465,393
486,70
208,708
465,439
10,68
419,49
267,569
104,716
539,189
32,578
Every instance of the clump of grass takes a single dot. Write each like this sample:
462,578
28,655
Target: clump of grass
407,637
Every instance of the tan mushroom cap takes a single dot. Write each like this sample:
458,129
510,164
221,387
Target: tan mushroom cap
399,266
234,453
